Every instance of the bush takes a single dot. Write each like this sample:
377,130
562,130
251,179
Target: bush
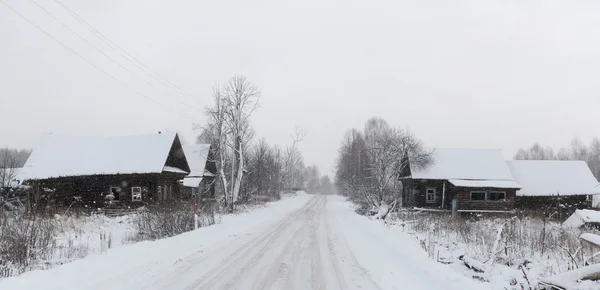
167,220
23,242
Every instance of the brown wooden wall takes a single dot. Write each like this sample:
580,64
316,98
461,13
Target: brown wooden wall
464,202
462,194
93,189
412,199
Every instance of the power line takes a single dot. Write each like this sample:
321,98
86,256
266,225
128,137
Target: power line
107,56
124,53
91,63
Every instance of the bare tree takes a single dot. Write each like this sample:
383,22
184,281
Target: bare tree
371,163
9,169
293,167
230,132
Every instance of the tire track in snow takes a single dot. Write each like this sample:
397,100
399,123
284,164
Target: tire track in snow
295,253
250,252
341,252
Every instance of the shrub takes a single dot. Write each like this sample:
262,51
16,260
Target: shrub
23,242
167,220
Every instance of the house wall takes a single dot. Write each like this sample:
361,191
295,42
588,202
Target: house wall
561,206
465,203
92,190
414,195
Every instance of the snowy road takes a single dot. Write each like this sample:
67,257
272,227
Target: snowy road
305,242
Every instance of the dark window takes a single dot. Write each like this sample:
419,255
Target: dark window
430,195
497,195
478,195
115,191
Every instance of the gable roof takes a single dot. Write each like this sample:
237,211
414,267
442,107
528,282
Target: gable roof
553,177
63,156
196,155
464,164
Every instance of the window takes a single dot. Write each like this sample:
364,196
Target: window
159,193
115,192
136,193
430,195
478,195
497,196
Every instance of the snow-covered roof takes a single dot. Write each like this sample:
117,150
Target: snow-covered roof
173,170
583,216
196,155
62,156
468,164
553,177
192,181
485,183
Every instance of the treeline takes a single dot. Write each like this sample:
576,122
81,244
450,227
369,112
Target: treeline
371,160
247,168
576,150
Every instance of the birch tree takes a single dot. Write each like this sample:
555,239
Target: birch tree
229,125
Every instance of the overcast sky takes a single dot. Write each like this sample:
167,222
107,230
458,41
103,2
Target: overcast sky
499,74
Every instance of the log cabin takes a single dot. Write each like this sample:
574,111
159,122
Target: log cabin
200,182
462,180
96,171
560,185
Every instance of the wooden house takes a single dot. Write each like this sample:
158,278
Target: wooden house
201,180
463,180
129,170
558,184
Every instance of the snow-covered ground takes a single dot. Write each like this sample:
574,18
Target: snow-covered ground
302,242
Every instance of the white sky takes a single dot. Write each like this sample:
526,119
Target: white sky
499,74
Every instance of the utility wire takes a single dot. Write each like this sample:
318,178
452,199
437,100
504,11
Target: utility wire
110,58
124,53
91,63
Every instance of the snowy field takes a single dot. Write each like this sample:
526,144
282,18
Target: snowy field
302,242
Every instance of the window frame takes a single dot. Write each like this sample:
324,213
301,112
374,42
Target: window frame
496,191
485,195
133,196
118,192
434,195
